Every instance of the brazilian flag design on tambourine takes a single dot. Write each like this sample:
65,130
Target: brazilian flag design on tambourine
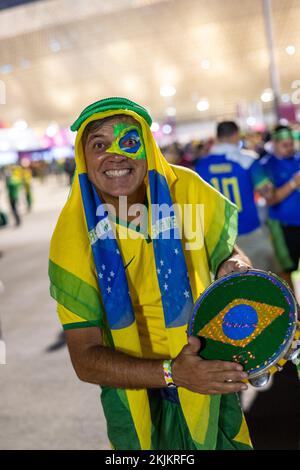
245,317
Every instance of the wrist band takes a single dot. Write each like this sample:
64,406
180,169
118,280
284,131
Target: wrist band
293,184
167,368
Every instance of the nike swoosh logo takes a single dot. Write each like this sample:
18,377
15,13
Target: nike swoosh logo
125,267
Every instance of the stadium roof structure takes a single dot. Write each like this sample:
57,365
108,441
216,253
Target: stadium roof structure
58,56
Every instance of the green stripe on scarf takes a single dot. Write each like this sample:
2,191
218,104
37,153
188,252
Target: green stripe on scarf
120,426
75,294
169,427
230,422
79,324
212,429
170,430
224,247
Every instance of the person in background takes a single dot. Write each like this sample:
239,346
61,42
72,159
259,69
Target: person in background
296,137
235,172
255,141
70,168
281,188
3,215
13,184
188,154
27,177
173,153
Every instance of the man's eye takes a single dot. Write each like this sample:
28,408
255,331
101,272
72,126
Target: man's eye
99,146
130,143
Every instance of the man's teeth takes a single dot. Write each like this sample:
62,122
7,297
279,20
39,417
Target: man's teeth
117,172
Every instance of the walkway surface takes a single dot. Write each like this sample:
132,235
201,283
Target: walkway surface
42,403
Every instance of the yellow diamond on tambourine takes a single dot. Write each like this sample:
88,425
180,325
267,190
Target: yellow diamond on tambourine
240,322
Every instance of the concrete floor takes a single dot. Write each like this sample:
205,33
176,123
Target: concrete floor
42,403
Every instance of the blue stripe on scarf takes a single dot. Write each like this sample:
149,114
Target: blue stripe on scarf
170,263
108,261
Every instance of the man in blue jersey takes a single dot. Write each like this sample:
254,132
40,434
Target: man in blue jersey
235,172
281,188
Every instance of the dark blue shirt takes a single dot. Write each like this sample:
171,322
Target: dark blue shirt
234,173
279,171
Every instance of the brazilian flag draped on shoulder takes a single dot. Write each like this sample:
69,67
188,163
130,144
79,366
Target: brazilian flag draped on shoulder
80,249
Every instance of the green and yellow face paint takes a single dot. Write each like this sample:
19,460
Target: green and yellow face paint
128,141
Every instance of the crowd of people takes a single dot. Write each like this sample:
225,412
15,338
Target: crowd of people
188,153
16,182
260,173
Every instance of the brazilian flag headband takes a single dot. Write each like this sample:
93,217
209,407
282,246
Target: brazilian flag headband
283,134
108,104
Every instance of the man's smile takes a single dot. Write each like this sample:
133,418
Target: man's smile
118,173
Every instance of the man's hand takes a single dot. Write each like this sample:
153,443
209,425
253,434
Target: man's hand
267,191
238,261
206,377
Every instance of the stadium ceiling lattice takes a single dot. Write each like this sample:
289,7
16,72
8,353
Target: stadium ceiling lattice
59,55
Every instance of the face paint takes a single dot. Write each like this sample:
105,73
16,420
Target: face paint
128,142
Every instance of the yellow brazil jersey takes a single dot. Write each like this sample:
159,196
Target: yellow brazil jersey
139,263
138,259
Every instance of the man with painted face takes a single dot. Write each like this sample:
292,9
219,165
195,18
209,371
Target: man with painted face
281,188
136,243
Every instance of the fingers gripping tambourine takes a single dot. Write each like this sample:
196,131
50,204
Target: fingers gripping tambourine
249,318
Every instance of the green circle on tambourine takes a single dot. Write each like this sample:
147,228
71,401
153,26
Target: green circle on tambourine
246,317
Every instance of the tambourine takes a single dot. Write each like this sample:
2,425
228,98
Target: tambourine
251,318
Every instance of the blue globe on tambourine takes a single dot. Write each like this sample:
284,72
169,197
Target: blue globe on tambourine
249,318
